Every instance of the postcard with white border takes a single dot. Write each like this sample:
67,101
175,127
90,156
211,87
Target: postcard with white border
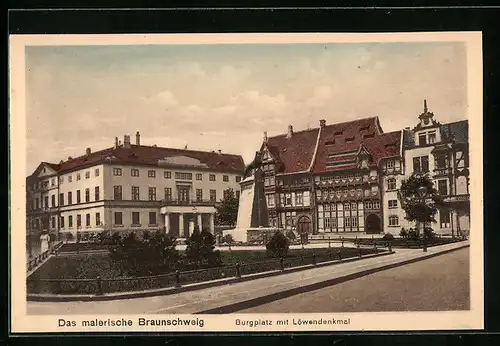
246,182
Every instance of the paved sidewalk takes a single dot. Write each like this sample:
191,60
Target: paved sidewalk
235,296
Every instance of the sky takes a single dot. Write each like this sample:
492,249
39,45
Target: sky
212,97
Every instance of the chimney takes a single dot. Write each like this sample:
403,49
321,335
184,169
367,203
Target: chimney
137,138
119,143
70,158
290,131
88,151
220,152
407,128
116,142
322,123
265,136
126,141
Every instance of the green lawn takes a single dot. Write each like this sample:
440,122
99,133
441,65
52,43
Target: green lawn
76,274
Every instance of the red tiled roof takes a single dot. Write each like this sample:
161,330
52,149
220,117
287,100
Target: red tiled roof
295,153
148,155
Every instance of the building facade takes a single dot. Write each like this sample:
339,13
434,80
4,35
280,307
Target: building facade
441,151
131,187
331,179
345,177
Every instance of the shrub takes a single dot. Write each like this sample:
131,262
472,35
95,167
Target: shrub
291,235
200,249
413,234
403,234
278,245
69,236
228,238
388,236
429,233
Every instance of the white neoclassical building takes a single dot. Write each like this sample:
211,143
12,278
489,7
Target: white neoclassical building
131,187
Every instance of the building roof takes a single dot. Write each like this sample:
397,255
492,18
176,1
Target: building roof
457,131
295,153
337,143
150,155
340,143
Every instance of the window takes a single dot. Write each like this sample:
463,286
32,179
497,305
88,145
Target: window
97,219
87,195
117,192
36,204
393,220
152,193
61,180
199,195
61,221
391,184
152,218
422,139
135,193
299,198
440,161
347,222
87,175
70,198
376,205
183,176
288,199
432,137
443,187
225,178
421,164
213,195
53,182
326,223
238,196
271,181
168,194
96,193
199,176
238,179
78,221
77,176
444,218
135,218
61,199
87,220
212,177
152,174
347,206
390,164
46,202
134,172
96,172
167,175
270,200
53,201
53,222
78,196
118,218
70,179
393,203
70,221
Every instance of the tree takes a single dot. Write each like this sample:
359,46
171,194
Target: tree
278,245
200,248
419,199
227,210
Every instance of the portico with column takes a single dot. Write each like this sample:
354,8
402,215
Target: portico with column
180,221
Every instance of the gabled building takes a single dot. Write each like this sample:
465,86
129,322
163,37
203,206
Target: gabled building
131,187
332,179
442,152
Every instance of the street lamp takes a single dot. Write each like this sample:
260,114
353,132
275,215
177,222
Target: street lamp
422,190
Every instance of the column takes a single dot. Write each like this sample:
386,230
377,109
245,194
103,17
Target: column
212,223
200,223
167,223
457,218
181,225
190,228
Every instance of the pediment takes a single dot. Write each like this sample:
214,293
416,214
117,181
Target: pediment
182,160
44,170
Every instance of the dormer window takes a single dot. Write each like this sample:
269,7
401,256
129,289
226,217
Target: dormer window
330,142
364,128
338,133
422,139
349,139
432,136
368,135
